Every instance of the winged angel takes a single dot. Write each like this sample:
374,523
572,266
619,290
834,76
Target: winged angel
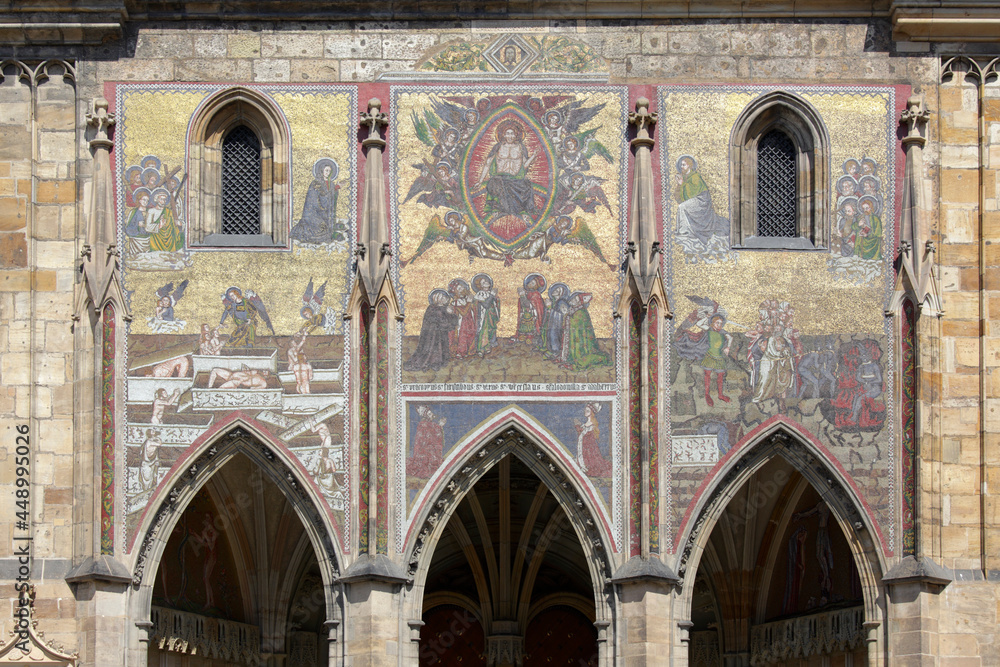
312,311
453,131
163,320
245,312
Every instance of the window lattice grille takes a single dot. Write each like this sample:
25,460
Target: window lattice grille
776,187
241,182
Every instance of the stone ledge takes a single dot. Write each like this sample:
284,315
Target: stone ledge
420,10
945,21
98,21
374,568
102,568
638,569
62,22
921,570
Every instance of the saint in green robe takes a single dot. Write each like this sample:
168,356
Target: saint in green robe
714,358
580,349
488,318
168,237
692,186
868,245
696,216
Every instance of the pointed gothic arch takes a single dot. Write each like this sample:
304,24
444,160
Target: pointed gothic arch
799,123
188,477
511,439
215,118
782,440
467,453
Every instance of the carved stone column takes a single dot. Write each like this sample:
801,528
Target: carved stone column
684,637
373,633
645,628
412,655
644,583
333,640
505,650
99,580
914,588
641,308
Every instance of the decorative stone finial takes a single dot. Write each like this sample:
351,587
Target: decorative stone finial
373,119
643,120
101,120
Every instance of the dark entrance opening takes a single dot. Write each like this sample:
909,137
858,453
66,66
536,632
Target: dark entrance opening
509,583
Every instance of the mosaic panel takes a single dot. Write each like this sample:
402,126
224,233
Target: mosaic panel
797,335
908,432
108,453
508,207
635,413
364,425
653,332
249,333
382,428
516,54
437,427
508,211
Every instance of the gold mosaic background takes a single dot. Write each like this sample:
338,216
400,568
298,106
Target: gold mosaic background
571,264
319,125
823,305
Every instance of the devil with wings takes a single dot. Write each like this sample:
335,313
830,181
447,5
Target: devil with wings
166,298
312,302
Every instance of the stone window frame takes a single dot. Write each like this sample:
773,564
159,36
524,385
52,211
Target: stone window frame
801,122
213,120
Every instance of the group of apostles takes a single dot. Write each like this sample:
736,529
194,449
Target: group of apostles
462,321
859,209
153,220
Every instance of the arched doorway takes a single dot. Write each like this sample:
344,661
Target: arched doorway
238,560
780,568
509,582
236,567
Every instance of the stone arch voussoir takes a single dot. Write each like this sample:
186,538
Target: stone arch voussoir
511,438
785,440
191,474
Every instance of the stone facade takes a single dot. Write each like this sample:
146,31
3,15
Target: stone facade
508,153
